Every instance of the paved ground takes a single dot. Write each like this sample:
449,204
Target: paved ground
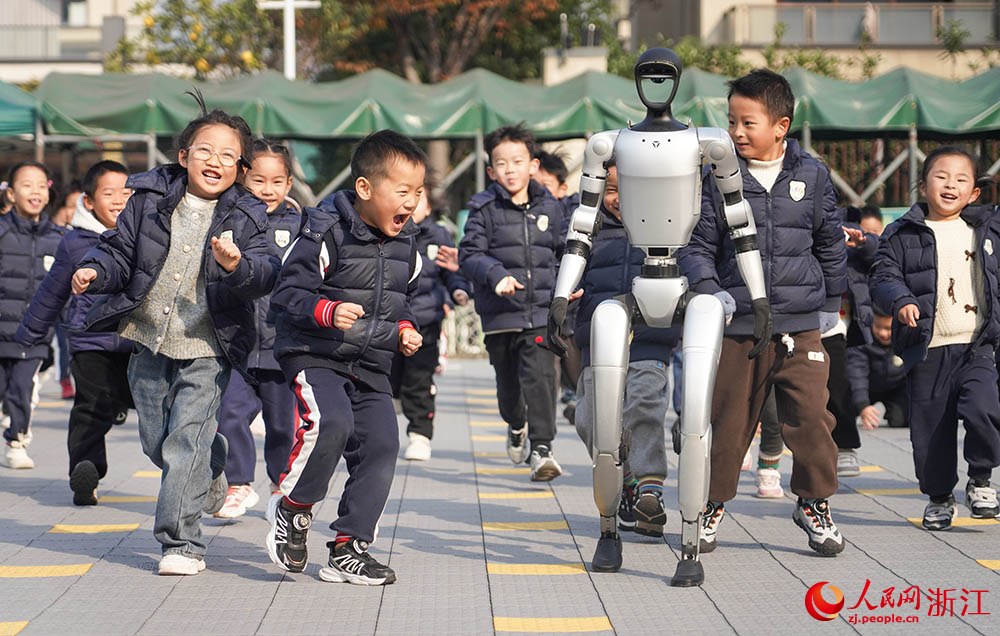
480,549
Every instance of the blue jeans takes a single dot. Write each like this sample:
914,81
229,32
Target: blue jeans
178,406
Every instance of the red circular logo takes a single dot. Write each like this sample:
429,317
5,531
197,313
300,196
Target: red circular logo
818,607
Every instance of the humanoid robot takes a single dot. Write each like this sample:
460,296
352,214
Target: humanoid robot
659,164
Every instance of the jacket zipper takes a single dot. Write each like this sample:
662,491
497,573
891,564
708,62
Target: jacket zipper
527,259
378,301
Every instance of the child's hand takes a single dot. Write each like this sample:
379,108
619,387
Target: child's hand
870,418
346,314
409,341
460,296
909,314
226,254
576,294
855,237
508,286
82,278
447,258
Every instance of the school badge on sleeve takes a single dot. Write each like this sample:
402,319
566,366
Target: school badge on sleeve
988,246
432,252
226,235
47,261
543,222
796,190
282,238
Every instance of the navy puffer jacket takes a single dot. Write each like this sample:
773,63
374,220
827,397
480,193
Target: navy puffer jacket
801,246
503,239
612,266
283,228
339,258
50,299
872,368
128,258
435,285
905,271
859,261
27,253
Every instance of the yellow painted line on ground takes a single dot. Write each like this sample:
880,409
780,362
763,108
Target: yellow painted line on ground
525,525
488,424
989,563
871,469
534,494
503,471
563,625
485,411
786,452
489,454
485,401
62,528
129,498
890,491
535,569
147,473
55,405
12,628
38,571
960,522
488,438
480,391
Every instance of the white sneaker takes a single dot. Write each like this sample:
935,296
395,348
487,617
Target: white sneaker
16,456
813,516
238,500
847,463
419,448
747,461
769,484
180,565
544,466
981,500
517,444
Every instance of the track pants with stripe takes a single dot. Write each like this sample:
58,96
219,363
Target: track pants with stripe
338,414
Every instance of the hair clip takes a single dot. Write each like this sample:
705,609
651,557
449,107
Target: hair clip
4,185
49,183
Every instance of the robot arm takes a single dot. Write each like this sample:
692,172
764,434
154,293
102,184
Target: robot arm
583,227
717,149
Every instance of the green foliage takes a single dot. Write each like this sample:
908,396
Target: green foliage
720,59
122,57
952,37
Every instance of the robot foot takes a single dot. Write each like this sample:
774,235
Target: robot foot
689,573
608,555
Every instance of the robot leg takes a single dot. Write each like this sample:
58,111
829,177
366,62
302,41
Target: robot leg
609,334
703,324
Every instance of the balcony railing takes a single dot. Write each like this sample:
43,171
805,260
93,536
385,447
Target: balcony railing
50,43
909,24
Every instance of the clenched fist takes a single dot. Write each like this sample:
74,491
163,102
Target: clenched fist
82,278
226,254
409,341
346,314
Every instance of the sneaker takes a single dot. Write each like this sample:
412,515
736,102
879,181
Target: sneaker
15,455
350,563
238,500
517,444
938,515
570,413
981,499
419,448
275,489
710,520
813,516
120,417
180,565
68,393
649,514
847,463
83,482
544,466
747,461
286,541
769,484
218,491
626,514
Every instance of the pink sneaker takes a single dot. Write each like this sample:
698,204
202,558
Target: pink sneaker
747,461
769,484
238,499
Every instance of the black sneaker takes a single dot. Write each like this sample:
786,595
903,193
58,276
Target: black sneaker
351,563
649,514
286,541
981,499
813,516
626,516
83,482
939,515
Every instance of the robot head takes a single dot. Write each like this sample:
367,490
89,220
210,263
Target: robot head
654,68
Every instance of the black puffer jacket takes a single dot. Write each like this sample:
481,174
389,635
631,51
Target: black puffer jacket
27,252
339,258
503,239
284,225
434,285
128,258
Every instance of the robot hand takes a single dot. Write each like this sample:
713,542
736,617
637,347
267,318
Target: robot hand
762,328
557,315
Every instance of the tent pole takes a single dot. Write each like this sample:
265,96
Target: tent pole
330,187
884,175
807,138
913,164
994,168
480,164
39,139
456,172
150,151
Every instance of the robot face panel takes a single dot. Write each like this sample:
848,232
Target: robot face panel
659,186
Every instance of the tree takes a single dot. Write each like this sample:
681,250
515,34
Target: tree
952,37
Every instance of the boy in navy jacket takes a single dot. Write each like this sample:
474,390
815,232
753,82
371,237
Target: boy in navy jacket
100,359
876,374
509,254
803,251
438,287
342,297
